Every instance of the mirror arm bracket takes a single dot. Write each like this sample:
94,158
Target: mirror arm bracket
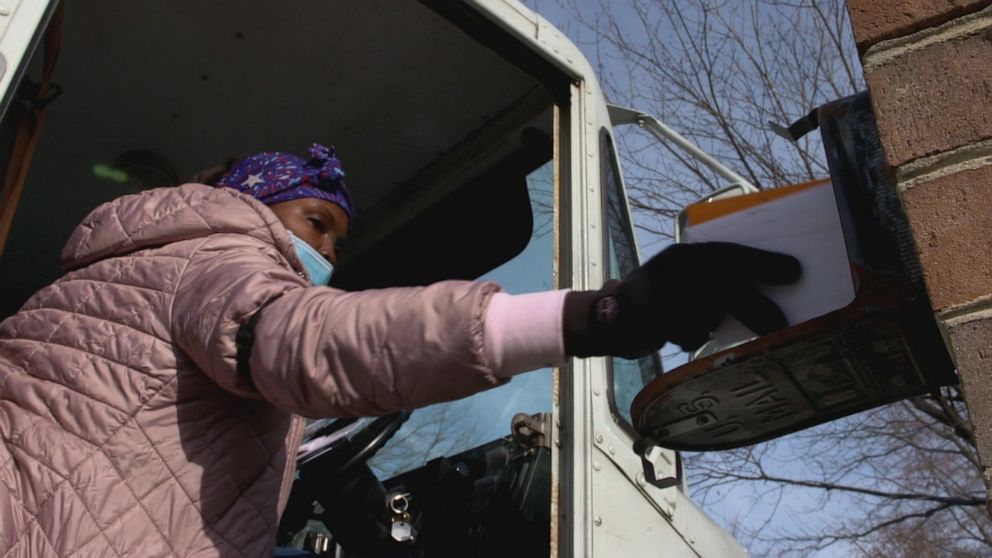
649,451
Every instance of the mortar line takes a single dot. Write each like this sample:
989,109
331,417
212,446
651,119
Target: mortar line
959,314
969,157
963,26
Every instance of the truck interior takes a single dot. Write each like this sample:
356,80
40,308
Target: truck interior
445,130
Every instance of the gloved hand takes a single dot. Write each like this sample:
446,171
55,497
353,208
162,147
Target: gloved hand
679,295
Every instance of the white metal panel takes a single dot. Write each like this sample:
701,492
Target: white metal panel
626,524
621,470
614,512
576,489
624,498
19,24
7,10
539,35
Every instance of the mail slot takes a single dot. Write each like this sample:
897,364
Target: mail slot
862,330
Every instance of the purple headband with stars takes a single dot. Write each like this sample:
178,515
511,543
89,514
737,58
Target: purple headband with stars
275,177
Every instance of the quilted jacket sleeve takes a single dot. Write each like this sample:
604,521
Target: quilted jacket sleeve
323,352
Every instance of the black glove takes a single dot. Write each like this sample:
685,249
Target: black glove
679,295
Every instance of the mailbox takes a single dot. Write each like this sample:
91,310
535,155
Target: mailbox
880,345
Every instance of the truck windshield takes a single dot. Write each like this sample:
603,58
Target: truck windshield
449,428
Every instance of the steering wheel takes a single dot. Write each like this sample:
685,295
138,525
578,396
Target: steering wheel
331,463
335,448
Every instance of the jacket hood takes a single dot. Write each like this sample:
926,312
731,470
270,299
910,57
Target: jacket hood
165,215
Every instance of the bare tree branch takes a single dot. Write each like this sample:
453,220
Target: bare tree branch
975,501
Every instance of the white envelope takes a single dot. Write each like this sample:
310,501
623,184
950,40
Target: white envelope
799,220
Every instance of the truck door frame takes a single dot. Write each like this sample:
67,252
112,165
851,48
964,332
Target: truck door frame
23,26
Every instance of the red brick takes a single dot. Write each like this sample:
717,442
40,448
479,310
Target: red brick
971,343
951,223
878,20
935,98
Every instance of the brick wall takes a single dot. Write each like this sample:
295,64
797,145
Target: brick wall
928,64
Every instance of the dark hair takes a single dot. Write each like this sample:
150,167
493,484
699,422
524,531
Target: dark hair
211,175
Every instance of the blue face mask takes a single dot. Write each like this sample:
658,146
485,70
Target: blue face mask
317,266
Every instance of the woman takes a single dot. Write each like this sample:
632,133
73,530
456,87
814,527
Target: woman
151,399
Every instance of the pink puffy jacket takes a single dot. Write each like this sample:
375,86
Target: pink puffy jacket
126,428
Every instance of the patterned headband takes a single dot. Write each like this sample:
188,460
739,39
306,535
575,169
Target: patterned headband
275,177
